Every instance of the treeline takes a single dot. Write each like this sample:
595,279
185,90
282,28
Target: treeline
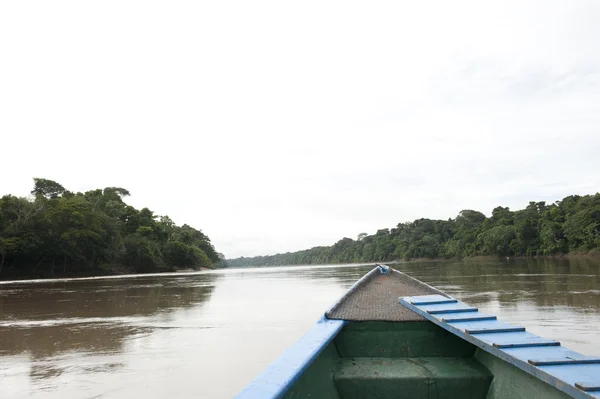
570,225
58,232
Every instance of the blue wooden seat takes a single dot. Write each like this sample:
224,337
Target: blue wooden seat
567,370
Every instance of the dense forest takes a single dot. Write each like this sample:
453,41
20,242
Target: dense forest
57,232
567,226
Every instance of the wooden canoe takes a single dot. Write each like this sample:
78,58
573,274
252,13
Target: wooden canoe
391,336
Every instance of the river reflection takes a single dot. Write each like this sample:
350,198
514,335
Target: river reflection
51,333
95,316
207,335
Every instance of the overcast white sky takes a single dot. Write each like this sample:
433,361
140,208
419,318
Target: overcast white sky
276,126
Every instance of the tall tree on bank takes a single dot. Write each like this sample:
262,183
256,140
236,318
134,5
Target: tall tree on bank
58,232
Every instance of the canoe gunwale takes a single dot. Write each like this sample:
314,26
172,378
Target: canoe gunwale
277,379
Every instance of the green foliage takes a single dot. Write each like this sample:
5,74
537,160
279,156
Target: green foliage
180,254
60,232
498,240
47,188
572,224
142,254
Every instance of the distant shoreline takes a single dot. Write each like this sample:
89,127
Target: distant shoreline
576,255
190,272
589,255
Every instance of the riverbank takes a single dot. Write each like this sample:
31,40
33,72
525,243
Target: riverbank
58,233
116,271
591,256
594,255
105,277
95,273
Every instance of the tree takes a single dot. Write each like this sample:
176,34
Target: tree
142,254
47,188
92,232
116,191
179,254
2,253
78,233
572,224
469,219
582,229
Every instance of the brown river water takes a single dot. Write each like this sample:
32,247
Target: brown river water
206,335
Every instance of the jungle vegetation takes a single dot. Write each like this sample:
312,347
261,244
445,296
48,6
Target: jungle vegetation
58,232
567,226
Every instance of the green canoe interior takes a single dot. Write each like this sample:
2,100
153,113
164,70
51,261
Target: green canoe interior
416,359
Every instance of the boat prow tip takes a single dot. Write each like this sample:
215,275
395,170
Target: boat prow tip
383,269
